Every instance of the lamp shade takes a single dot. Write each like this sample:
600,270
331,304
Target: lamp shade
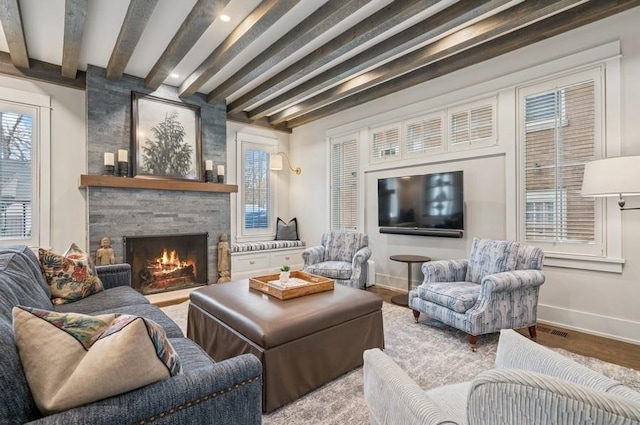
617,176
275,162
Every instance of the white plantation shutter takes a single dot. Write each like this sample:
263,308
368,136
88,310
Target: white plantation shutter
561,124
344,183
424,135
472,125
16,173
385,142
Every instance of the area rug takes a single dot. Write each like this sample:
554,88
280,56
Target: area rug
431,353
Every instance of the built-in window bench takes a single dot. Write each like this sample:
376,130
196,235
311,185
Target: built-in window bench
250,259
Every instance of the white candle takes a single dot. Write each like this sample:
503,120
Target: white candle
221,170
108,158
122,155
208,165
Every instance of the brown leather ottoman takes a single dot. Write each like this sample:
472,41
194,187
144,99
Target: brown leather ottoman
303,343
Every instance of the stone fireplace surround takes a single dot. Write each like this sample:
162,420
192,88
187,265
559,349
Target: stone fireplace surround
119,212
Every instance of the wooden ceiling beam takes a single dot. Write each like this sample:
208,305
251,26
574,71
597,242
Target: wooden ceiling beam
135,21
461,13
242,117
41,71
259,20
202,15
479,32
75,12
323,19
557,24
11,19
376,24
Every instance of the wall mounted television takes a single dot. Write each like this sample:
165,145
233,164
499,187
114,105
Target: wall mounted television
427,204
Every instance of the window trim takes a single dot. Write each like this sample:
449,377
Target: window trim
271,146
610,258
41,214
341,140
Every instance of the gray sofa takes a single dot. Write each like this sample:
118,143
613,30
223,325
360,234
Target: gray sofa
228,392
530,385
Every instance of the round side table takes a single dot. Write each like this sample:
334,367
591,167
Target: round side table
409,259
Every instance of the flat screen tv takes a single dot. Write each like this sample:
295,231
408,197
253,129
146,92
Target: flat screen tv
427,204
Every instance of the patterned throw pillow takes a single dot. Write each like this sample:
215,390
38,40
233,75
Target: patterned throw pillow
71,359
287,231
71,276
490,256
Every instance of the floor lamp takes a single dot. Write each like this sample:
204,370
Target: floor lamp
616,176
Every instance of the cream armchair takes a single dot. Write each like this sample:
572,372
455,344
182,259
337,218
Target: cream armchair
496,288
531,385
342,255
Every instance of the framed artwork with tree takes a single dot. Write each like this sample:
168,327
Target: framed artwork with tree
166,138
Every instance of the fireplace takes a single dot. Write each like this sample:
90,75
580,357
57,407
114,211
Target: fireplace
168,262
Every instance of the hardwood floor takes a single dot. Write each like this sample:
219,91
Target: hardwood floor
609,350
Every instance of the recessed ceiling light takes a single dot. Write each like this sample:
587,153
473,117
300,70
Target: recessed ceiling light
175,75
225,18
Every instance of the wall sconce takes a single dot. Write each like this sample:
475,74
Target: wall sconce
617,176
275,162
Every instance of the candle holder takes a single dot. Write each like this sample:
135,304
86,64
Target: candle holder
208,176
108,170
123,168
220,178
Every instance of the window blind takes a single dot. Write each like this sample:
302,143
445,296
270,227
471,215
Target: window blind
472,124
256,188
16,175
559,139
344,184
423,134
385,142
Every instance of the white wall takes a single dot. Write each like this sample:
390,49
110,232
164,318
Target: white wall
595,302
281,177
68,159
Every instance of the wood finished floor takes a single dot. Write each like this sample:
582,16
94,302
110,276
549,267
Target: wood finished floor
609,350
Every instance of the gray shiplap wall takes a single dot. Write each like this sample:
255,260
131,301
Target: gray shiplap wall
116,212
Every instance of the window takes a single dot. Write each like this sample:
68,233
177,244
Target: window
344,182
256,189
473,125
24,157
560,125
424,135
385,143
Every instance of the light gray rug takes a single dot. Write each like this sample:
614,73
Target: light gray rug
432,354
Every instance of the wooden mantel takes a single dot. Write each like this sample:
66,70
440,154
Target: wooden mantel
87,180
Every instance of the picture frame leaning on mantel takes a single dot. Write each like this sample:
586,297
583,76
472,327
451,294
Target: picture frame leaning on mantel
166,138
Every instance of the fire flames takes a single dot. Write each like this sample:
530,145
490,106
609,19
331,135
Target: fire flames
168,263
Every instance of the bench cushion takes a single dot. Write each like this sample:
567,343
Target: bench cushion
264,245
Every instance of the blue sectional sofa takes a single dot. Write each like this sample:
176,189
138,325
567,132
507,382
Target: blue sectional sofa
228,392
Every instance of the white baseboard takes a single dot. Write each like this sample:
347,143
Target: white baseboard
589,323
394,282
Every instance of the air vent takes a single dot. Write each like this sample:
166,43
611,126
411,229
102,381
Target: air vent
559,333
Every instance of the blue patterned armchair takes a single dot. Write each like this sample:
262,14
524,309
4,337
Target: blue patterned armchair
342,255
496,288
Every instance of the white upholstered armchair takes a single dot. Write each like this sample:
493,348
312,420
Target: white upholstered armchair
342,255
496,288
531,384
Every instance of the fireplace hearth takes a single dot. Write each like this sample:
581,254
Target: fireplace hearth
166,263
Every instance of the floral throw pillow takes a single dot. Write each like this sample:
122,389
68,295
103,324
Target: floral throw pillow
71,359
71,276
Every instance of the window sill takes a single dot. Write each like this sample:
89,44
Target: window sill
583,262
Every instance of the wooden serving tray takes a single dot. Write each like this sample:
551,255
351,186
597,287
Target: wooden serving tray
311,284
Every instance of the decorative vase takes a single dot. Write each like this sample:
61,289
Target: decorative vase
284,277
